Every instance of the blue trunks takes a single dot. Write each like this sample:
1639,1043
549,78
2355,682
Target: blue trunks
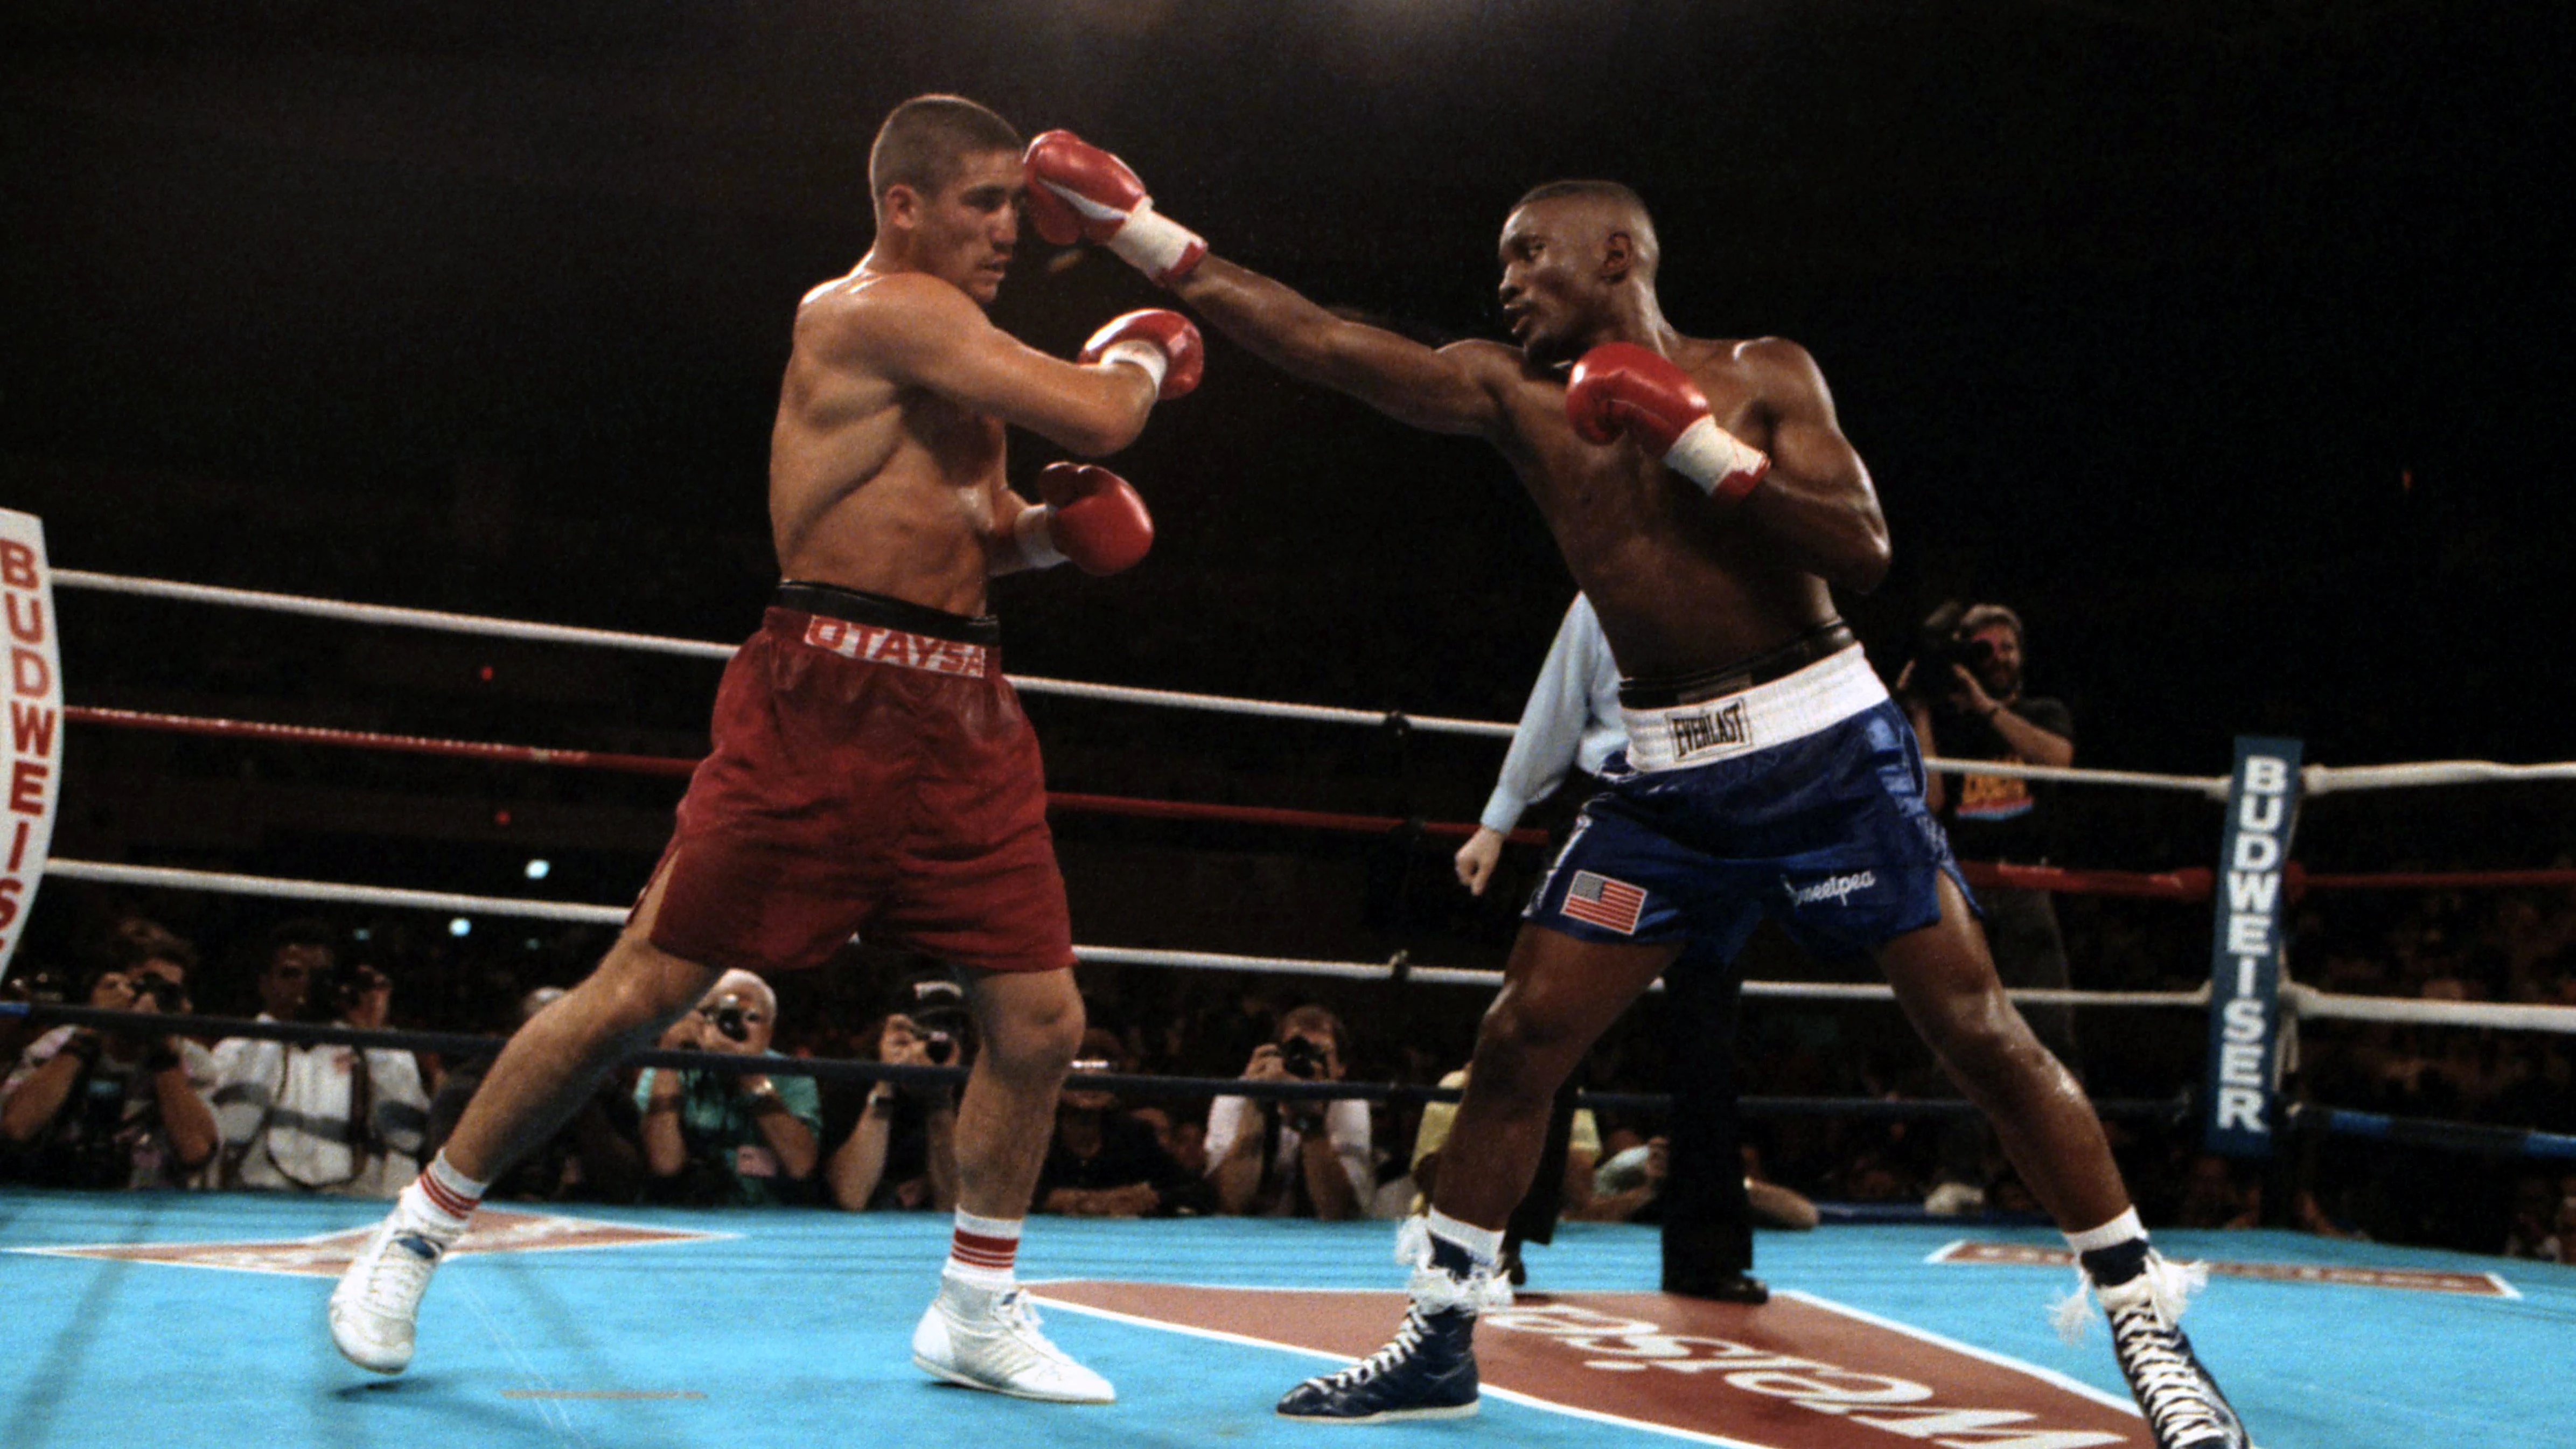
1801,800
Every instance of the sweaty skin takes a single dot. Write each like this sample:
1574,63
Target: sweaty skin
886,476
885,468
1681,585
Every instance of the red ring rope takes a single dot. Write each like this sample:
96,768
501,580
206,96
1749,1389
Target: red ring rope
669,765
2193,883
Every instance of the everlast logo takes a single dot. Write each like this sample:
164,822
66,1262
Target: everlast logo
1710,729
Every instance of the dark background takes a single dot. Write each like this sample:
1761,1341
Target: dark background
2144,315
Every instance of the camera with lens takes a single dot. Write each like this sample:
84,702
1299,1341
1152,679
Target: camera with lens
940,1029
337,996
165,994
1944,641
936,1007
1302,1057
731,1017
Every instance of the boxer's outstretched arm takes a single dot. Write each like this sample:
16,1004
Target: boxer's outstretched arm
920,332
1448,390
1817,499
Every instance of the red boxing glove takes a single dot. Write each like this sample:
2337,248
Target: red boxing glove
1622,390
1164,343
1078,192
1091,517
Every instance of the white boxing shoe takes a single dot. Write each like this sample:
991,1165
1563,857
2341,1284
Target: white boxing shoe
990,1340
378,1300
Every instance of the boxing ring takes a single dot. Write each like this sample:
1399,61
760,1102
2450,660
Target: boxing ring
196,1318
742,1329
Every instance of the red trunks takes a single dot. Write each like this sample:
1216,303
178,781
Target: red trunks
866,778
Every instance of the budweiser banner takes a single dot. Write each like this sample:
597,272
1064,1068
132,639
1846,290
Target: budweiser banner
2247,942
31,748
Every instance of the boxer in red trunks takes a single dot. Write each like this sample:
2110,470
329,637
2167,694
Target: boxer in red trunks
872,768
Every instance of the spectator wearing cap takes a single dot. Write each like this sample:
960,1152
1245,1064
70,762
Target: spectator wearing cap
1104,1163
728,1138
898,1140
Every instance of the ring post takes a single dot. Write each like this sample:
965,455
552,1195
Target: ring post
31,743
2248,941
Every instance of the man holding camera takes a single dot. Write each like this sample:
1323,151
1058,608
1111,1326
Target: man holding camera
898,1143
741,1139
334,1119
1963,690
99,1108
1272,1158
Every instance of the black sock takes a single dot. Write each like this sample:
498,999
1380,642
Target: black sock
1451,1259
2117,1264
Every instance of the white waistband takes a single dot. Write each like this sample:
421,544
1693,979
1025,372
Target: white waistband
1825,693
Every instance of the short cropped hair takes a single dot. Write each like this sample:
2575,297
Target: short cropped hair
1984,615
1318,1018
307,931
1650,250
136,941
925,140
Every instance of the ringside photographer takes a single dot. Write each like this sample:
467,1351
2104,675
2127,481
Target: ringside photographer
318,1118
898,1143
106,1108
1293,1158
1964,692
739,1138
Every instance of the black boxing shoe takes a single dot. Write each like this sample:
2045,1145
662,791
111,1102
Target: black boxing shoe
1427,1372
2182,1402
1720,1285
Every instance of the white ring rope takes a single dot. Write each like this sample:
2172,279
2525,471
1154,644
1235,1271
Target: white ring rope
434,619
2320,779
382,614
385,614
2313,1004
2213,786
228,884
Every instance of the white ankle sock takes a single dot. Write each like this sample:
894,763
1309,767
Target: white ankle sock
983,1252
441,1200
1484,1245
2121,1229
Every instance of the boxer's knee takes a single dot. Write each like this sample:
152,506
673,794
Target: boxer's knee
639,989
1989,1050
1523,1055
1032,1024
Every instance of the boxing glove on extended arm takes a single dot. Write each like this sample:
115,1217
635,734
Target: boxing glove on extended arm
1165,344
1078,192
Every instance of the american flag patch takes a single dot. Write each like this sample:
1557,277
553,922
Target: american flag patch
1610,904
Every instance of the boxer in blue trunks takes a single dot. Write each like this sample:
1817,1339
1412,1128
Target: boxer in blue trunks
1705,498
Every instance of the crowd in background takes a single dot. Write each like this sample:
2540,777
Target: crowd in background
124,1107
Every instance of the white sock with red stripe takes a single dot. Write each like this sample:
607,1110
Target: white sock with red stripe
983,1252
441,1200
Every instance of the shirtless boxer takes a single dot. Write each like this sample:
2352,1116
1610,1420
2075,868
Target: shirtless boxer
871,766
1705,498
